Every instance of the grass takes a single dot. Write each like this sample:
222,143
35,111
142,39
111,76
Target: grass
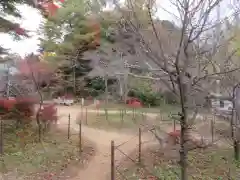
164,108
115,121
24,157
211,164
129,119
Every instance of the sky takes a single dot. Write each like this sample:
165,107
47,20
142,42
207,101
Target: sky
31,20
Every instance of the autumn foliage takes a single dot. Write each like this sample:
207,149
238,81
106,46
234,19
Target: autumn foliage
17,107
32,68
48,113
23,108
175,136
134,103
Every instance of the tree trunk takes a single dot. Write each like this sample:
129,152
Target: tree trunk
233,135
106,89
233,125
1,137
125,87
183,149
74,77
184,125
121,91
236,150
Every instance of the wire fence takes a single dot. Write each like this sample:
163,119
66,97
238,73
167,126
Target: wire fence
120,160
210,128
120,169
119,157
11,133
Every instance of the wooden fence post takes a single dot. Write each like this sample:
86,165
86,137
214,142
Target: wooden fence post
132,113
69,121
81,113
229,174
106,114
121,115
1,137
174,125
139,144
212,130
86,116
112,161
80,137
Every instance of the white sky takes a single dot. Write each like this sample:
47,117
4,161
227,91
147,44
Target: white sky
32,19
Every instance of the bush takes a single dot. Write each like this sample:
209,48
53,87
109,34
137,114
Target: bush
19,108
169,98
25,106
153,98
147,98
48,113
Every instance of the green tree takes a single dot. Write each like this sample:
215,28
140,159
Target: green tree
71,32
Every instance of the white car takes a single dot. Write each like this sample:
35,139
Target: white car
68,102
225,108
64,101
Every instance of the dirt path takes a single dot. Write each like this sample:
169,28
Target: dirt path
99,167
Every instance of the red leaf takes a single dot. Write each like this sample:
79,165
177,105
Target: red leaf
49,112
9,103
134,102
20,31
175,133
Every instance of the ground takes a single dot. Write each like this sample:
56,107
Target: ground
25,158
113,121
209,164
102,138
98,168
163,108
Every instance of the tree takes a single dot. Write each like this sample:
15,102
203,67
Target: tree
187,62
9,9
32,66
38,75
70,33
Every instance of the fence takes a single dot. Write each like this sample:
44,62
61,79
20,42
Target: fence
119,170
8,129
119,158
119,117
135,157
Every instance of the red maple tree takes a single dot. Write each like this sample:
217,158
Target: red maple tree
32,68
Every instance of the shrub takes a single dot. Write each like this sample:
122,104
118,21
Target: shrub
25,106
169,98
19,108
147,98
153,98
48,113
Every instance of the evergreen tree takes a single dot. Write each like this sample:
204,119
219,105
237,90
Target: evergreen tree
71,32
